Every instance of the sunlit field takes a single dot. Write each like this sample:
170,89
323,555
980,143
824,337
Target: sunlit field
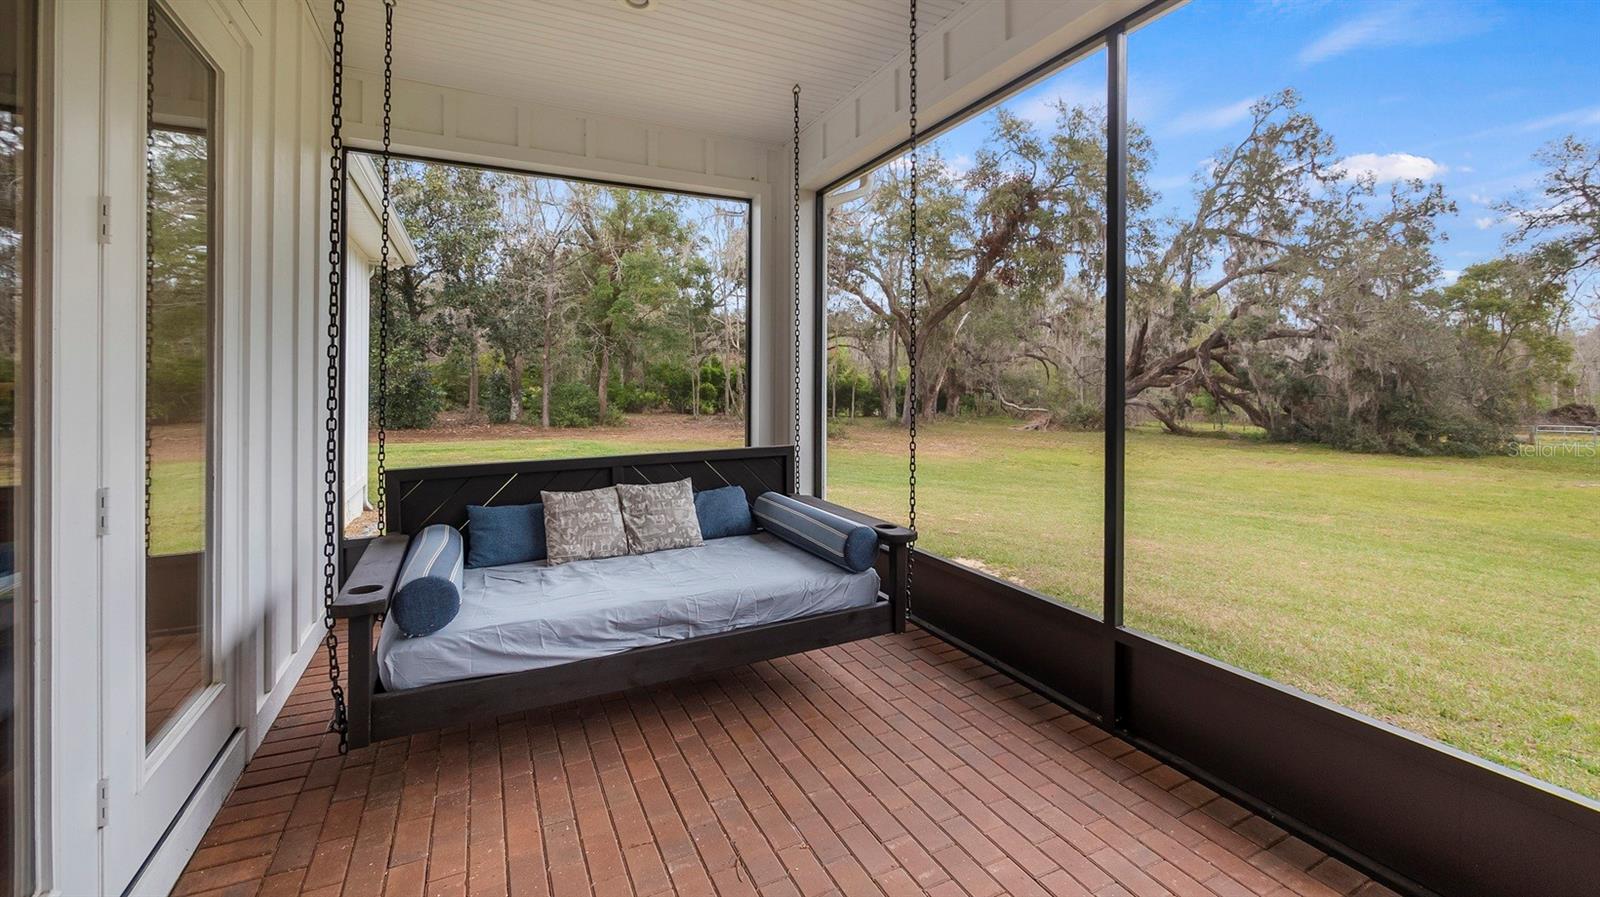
1457,598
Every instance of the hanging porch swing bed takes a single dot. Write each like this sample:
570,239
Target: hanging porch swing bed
512,586
531,633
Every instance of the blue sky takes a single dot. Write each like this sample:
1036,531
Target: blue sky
1453,91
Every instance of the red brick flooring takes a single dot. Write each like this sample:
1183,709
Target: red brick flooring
892,766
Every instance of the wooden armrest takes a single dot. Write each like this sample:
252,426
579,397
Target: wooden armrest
892,533
371,584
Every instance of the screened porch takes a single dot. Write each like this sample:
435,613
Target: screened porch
839,447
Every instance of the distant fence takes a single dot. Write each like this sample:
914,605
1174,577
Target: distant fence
1564,433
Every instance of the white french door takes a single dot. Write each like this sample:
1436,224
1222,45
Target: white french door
169,362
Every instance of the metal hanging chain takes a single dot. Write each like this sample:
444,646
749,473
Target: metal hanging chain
383,274
912,401
149,252
796,258
330,495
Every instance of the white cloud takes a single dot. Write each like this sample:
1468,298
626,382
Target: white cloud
1041,109
1483,223
1405,24
1587,116
959,164
1213,119
1572,118
1389,167
1373,29
1169,181
1448,276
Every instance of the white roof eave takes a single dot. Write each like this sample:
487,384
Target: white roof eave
365,208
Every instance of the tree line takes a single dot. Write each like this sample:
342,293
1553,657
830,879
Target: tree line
1294,295
562,302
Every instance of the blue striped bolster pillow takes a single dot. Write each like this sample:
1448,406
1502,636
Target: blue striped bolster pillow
429,593
825,534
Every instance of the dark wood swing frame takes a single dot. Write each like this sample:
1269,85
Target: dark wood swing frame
422,496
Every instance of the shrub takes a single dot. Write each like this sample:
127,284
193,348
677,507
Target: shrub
176,391
575,404
494,397
452,374
414,399
1079,416
633,398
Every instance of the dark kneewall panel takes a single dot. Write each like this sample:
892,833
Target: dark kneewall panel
1042,642
1420,815
1446,821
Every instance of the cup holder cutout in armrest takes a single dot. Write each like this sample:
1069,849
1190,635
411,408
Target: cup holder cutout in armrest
886,526
364,590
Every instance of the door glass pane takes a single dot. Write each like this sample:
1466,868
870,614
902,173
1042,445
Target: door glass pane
178,377
16,311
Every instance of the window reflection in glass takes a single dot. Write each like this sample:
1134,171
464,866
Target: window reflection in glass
178,377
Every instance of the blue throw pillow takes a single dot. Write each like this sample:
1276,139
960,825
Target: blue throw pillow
429,593
825,534
512,534
723,512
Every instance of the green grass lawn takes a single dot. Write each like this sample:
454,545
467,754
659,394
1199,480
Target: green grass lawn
177,507
1458,598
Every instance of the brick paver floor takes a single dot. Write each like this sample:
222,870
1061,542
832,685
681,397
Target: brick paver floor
897,765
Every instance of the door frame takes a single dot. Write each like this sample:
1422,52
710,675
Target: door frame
144,790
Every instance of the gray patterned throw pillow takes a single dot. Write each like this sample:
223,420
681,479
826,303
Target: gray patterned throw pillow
659,516
582,525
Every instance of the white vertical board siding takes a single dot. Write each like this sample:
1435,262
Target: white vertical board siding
277,360
978,49
288,309
357,390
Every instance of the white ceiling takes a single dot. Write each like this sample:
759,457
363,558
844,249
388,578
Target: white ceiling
714,66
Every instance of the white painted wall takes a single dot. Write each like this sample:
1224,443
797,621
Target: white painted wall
363,254
357,387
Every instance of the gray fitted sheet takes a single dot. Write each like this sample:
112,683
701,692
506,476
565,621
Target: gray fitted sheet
526,616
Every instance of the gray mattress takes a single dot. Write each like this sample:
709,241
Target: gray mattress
525,616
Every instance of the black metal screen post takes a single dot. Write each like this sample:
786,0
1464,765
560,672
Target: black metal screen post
1116,351
819,346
